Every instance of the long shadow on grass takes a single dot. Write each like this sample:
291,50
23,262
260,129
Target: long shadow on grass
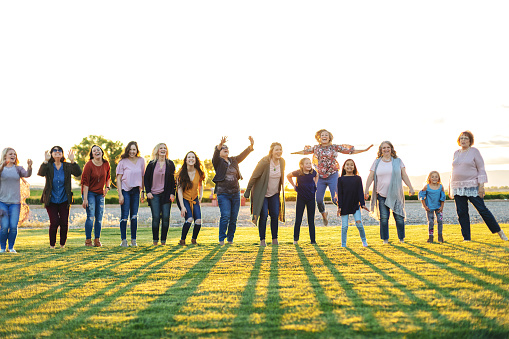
464,327
241,325
418,304
470,251
498,247
481,270
360,309
160,313
73,317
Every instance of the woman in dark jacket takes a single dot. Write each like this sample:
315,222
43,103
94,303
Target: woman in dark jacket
57,193
266,183
227,187
160,186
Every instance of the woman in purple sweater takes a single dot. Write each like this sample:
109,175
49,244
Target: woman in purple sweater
467,184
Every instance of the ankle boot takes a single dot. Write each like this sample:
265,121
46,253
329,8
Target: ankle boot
430,239
440,238
182,242
193,241
88,243
97,243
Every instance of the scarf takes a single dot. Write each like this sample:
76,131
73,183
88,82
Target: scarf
395,197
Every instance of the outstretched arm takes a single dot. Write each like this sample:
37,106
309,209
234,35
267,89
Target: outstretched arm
307,150
362,150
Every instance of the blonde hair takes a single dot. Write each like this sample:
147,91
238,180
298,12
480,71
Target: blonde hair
155,152
393,152
319,134
4,154
428,180
301,165
272,146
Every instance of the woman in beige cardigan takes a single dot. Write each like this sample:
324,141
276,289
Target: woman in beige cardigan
266,184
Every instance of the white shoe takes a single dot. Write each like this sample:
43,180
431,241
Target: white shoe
124,243
502,235
2,250
12,250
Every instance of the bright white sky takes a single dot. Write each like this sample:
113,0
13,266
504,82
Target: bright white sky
188,72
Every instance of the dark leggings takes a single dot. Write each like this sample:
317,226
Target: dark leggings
299,213
58,216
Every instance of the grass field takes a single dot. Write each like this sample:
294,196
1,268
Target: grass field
455,289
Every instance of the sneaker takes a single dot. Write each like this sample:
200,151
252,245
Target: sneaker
12,250
365,243
502,235
402,241
123,243
2,250
133,243
386,242
325,220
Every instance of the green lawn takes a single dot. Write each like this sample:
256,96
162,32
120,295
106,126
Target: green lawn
415,289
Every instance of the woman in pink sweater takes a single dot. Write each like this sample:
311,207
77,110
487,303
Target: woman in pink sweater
467,184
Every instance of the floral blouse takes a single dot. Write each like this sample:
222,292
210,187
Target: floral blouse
324,157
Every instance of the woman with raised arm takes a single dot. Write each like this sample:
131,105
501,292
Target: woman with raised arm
467,184
267,183
160,187
227,187
95,184
130,173
57,193
10,197
387,173
190,179
324,160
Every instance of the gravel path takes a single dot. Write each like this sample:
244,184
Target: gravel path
415,215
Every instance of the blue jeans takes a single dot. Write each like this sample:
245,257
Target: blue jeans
384,221
270,207
299,213
9,223
95,211
229,205
332,182
358,222
130,205
464,218
160,215
194,215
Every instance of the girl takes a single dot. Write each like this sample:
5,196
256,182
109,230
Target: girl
190,179
57,194
10,197
307,178
351,200
130,173
160,185
95,184
432,198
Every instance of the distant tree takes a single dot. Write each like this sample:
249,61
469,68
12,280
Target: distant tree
112,149
207,167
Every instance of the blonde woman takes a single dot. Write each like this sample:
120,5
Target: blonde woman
10,197
160,186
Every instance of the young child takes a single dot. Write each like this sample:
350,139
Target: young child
432,198
307,178
351,200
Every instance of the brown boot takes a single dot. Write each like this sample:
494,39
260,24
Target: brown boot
193,241
97,243
182,242
430,239
440,238
88,243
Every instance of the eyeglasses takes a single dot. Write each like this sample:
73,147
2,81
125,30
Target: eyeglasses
59,150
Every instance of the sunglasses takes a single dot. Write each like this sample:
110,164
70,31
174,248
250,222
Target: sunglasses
224,147
57,150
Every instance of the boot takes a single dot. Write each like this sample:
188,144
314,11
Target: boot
430,239
182,242
88,243
97,243
133,243
193,241
440,238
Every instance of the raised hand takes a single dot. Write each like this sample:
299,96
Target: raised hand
70,155
29,163
47,156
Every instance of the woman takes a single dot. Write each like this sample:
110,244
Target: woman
467,184
57,193
227,187
160,186
190,179
387,172
130,172
324,160
95,184
266,183
10,197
